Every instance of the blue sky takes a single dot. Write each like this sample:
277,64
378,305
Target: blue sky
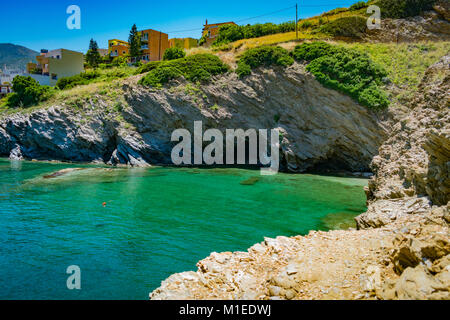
42,24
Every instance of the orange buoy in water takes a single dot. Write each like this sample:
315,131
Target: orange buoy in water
104,204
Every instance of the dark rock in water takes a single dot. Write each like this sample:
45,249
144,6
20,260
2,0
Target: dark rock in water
356,210
62,172
339,221
250,181
16,153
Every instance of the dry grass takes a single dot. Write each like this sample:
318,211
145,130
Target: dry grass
198,50
230,52
108,91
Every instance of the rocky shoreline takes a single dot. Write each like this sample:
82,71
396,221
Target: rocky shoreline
401,249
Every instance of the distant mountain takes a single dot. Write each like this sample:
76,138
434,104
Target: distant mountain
15,56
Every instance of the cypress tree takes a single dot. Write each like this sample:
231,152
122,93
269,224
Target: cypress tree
134,41
93,56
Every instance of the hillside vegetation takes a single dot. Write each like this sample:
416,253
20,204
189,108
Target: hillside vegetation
318,27
195,68
348,23
349,71
263,56
371,73
403,65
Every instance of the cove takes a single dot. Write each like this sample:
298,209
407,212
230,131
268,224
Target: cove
129,229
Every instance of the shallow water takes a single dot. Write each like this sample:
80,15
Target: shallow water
156,222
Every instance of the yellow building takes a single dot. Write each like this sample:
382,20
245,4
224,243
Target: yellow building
56,64
153,45
118,48
211,31
183,43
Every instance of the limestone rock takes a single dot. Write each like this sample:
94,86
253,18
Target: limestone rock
414,160
433,25
442,7
417,284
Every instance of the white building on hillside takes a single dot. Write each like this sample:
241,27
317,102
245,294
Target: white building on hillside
7,74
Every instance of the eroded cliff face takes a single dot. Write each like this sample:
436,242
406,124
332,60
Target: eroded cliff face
319,126
433,25
414,161
402,247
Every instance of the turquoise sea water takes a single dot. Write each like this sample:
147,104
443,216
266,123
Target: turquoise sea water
156,222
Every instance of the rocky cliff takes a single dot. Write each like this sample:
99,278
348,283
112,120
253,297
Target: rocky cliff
320,127
402,247
433,25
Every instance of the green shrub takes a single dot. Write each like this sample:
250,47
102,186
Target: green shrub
358,5
352,27
306,24
263,56
148,67
79,79
104,66
404,8
311,51
231,33
173,54
160,76
243,69
117,74
348,71
120,61
199,67
27,92
210,63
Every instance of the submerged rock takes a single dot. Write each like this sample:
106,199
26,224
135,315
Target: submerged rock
250,181
62,172
339,221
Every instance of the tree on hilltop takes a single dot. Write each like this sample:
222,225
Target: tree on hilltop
93,56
